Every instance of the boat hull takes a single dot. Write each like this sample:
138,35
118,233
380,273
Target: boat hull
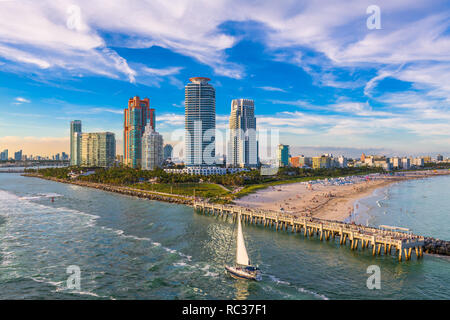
239,273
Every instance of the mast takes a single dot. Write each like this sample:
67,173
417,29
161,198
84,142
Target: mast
241,251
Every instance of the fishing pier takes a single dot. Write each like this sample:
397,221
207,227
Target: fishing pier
390,240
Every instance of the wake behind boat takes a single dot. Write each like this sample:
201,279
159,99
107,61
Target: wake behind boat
243,268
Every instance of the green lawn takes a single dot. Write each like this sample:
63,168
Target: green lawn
205,190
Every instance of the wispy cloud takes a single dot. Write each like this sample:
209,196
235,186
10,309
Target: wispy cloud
20,100
268,88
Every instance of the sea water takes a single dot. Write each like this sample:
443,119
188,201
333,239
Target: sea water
131,248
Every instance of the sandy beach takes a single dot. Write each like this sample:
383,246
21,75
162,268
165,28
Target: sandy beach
331,199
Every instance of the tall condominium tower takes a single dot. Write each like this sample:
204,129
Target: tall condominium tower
4,155
98,149
75,136
242,147
152,149
136,117
200,122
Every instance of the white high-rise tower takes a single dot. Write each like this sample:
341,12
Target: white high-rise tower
152,148
242,147
200,122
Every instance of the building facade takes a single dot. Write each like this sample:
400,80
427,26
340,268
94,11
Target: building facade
322,162
300,161
206,170
75,141
200,122
4,155
242,146
136,117
283,155
98,149
168,150
152,149
18,155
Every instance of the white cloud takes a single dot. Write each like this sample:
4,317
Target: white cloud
268,88
21,100
162,72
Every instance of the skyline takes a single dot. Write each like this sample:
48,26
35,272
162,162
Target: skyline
325,88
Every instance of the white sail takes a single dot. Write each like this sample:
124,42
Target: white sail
241,251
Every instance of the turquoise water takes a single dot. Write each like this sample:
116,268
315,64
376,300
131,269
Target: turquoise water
422,205
130,248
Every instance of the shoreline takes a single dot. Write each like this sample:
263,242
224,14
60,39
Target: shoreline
324,200
150,195
432,245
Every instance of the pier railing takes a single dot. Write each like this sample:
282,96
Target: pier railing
367,237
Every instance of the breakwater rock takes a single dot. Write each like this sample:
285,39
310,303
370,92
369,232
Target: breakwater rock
122,190
437,246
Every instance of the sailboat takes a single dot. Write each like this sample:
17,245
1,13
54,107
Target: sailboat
243,268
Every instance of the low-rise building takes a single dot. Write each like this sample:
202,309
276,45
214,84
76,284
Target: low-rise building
205,171
322,162
300,161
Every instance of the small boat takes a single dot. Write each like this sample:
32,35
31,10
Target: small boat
243,268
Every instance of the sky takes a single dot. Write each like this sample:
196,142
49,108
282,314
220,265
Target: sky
318,71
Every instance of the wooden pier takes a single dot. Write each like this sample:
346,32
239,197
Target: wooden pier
377,239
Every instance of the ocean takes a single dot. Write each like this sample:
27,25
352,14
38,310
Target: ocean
131,248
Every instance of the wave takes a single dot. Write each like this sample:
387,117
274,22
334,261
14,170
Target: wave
60,288
302,290
91,221
318,295
41,196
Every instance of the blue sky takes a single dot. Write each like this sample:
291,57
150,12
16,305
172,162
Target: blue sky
316,72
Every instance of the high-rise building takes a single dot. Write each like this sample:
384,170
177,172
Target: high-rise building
439,157
200,122
75,139
4,155
406,163
98,149
18,155
242,147
283,155
168,150
136,117
396,162
342,162
152,149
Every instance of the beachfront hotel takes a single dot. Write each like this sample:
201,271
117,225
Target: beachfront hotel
98,149
136,117
200,122
75,151
152,148
242,147
283,155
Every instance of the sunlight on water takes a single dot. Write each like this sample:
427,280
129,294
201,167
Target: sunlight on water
129,248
